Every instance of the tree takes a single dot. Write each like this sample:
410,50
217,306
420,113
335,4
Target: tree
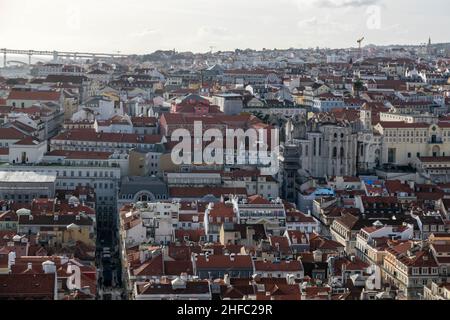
358,86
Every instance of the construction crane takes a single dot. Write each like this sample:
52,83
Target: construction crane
360,42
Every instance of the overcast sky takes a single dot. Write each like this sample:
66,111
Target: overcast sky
142,26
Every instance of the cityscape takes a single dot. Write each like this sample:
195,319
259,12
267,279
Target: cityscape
293,174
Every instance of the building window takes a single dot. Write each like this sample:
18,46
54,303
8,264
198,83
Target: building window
391,155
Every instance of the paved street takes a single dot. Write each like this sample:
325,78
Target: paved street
108,262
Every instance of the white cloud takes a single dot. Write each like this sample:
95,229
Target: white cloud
144,33
337,3
227,24
208,31
325,24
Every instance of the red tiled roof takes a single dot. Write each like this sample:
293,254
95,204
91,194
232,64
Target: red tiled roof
224,262
395,186
298,237
237,121
91,135
80,154
192,235
10,134
257,199
430,196
34,95
180,192
28,141
29,286
144,121
248,72
282,242
23,127
350,265
191,218
283,266
154,267
384,200
176,268
318,242
4,261
419,259
403,125
222,210
183,252
280,291
299,217
192,288
348,220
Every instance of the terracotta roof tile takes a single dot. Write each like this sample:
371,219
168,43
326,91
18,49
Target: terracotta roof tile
34,95
224,262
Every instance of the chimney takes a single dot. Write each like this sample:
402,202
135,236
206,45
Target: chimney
290,279
69,268
304,239
226,279
317,256
49,267
11,259
64,259
142,256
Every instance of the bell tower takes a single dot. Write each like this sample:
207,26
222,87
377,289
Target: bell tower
366,117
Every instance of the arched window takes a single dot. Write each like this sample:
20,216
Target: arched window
334,152
300,150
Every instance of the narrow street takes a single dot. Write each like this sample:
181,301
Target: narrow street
108,265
